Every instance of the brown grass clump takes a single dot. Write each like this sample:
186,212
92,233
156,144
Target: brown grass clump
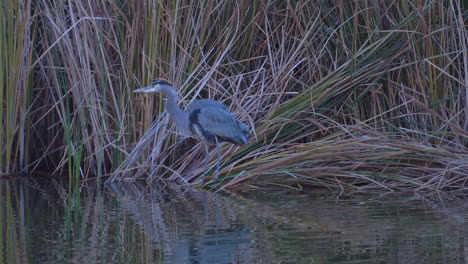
339,94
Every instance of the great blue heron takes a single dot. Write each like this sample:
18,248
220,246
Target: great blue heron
205,119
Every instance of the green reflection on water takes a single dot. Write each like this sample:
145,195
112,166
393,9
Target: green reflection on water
54,223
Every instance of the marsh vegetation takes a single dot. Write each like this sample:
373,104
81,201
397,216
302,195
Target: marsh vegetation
347,95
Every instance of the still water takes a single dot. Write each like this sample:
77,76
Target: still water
50,222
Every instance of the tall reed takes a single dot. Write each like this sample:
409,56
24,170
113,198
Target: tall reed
16,47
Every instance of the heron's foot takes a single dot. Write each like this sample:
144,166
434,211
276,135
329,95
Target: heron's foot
206,177
216,177
213,179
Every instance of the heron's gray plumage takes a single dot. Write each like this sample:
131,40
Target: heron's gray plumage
202,103
215,124
208,120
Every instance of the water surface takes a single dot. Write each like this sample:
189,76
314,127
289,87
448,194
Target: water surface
50,222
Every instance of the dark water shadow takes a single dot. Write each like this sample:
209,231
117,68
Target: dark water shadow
52,222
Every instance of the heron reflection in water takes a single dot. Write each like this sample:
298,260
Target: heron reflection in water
207,120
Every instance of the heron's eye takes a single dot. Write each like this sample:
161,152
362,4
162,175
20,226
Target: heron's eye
159,83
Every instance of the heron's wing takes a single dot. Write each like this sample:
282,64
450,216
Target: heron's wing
205,103
217,124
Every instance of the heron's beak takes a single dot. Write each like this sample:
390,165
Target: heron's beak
146,89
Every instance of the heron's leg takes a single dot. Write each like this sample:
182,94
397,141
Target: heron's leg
205,170
218,159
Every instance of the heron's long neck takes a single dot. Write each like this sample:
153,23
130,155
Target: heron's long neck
179,116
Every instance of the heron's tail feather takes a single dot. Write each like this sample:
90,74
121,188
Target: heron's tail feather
244,137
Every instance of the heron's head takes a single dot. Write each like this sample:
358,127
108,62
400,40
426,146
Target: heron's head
155,86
